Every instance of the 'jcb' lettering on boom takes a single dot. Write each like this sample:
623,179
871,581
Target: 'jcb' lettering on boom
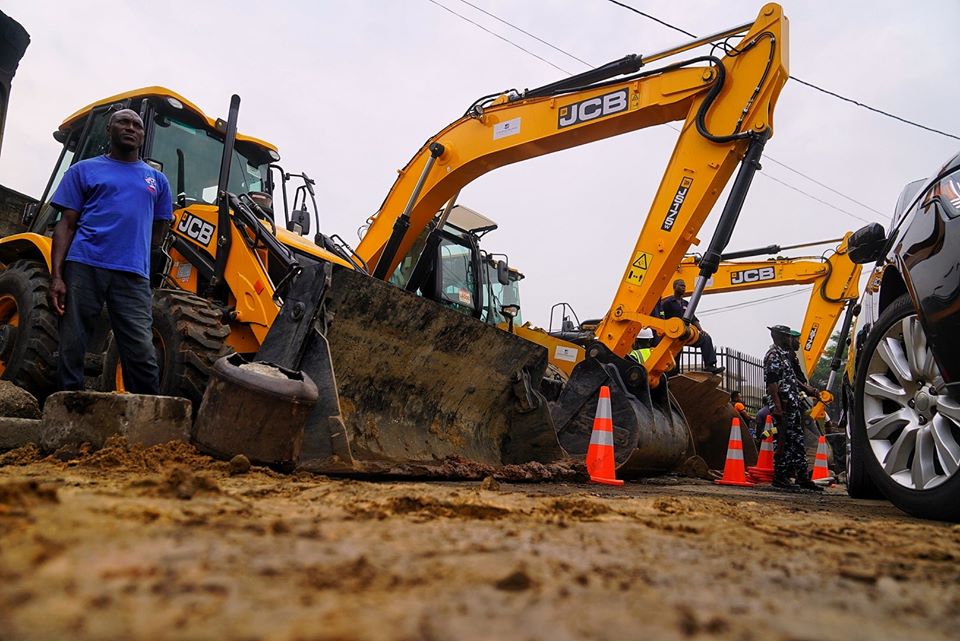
195,228
752,275
593,108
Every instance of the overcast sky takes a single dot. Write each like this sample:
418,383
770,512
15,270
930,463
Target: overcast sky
349,91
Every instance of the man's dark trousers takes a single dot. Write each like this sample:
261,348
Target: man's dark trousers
709,352
129,304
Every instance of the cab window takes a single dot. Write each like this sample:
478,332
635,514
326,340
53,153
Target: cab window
97,142
457,282
191,158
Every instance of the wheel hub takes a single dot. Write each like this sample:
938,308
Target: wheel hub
925,404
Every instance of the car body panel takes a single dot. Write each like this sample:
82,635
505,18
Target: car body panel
924,259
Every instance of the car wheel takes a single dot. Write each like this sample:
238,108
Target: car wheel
908,435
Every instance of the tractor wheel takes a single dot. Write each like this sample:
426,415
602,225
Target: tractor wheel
28,328
189,337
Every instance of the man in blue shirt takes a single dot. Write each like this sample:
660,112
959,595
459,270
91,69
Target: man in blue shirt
114,207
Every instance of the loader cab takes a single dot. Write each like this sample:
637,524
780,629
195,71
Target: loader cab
179,140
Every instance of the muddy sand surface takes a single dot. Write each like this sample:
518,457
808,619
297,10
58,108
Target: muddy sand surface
127,543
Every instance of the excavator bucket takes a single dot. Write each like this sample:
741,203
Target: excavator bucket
406,381
650,433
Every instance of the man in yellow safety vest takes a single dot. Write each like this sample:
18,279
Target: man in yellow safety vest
641,346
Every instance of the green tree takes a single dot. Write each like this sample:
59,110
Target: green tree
821,373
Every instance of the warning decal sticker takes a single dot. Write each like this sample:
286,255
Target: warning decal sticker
638,268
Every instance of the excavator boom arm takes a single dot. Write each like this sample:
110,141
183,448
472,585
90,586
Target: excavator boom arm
835,281
725,105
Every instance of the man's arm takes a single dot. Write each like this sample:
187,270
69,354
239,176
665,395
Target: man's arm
774,391
160,227
158,260
63,235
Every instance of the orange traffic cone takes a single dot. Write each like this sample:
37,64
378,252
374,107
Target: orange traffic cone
600,462
733,472
763,470
821,473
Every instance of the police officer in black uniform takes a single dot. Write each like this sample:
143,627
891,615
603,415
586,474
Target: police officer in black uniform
783,388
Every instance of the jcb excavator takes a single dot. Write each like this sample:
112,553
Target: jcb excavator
418,375
835,281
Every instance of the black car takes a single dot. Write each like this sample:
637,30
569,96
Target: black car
904,432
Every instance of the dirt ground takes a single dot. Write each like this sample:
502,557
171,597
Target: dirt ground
128,543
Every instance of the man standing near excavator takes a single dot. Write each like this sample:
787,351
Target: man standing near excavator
112,207
674,307
783,387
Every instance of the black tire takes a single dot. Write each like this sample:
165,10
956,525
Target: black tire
189,336
942,501
859,484
28,352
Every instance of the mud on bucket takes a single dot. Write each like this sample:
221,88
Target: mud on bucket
255,409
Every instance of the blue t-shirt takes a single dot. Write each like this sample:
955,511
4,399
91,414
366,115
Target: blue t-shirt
117,202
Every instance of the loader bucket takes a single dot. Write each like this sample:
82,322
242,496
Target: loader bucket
417,382
650,433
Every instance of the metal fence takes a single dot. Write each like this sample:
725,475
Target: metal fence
741,372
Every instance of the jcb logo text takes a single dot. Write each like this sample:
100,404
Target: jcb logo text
593,108
195,228
752,276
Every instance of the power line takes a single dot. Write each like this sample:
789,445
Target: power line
819,200
497,35
538,39
584,62
750,303
647,15
827,187
802,82
808,194
874,109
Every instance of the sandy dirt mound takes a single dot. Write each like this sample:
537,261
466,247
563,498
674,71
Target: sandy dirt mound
161,543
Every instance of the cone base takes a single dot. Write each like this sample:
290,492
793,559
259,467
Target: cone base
737,483
603,481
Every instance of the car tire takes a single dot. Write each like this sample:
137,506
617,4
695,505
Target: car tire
859,484
911,450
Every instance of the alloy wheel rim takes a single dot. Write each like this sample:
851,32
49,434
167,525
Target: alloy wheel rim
912,430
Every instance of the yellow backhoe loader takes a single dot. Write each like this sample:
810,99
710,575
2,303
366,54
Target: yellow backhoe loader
416,375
